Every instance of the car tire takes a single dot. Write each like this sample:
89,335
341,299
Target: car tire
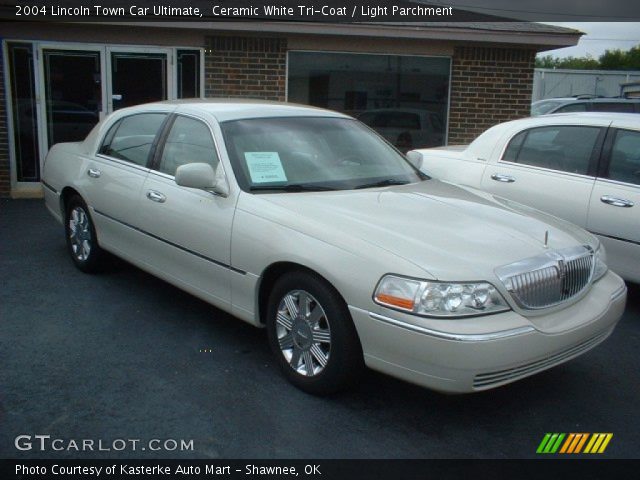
82,241
312,335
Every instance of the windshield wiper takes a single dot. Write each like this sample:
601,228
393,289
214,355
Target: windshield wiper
294,187
382,183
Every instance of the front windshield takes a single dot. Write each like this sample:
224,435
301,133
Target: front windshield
312,153
543,107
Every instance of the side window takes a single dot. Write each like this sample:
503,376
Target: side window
613,107
572,107
563,148
131,138
189,141
512,150
624,165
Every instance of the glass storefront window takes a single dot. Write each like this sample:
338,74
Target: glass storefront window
404,98
188,73
23,109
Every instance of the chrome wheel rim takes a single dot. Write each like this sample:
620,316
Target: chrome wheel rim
80,234
303,333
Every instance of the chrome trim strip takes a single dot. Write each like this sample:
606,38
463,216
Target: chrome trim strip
180,247
615,238
618,293
46,185
544,169
617,182
460,337
123,162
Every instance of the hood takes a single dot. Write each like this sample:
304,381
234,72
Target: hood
451,232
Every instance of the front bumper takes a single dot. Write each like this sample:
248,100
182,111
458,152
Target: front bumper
488,351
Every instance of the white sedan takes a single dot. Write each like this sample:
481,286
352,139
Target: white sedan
307,222
582,167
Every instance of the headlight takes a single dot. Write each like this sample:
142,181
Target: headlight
438,299
600,260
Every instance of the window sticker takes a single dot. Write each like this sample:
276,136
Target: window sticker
265,167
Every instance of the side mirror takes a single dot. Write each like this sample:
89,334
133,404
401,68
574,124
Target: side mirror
415,158
202,176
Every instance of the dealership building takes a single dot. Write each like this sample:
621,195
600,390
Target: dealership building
418,84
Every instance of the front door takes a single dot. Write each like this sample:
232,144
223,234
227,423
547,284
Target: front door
188,230
614,212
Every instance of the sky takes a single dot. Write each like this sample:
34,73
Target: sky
603,21
600,36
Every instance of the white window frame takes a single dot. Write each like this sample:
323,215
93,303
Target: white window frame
31,188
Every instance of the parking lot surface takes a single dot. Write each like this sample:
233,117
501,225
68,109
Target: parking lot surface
123,355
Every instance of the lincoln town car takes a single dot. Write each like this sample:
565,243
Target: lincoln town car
308,223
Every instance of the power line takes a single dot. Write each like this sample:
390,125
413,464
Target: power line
539,12
609,39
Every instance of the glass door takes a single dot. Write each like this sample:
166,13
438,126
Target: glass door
138,77
73,93
59,91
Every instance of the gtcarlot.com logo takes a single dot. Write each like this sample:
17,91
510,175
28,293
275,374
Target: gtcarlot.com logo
44,443
574,443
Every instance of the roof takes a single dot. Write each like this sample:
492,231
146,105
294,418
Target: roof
236,109
627,120
536,36
504,26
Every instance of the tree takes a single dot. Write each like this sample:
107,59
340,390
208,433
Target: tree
621,60
609,60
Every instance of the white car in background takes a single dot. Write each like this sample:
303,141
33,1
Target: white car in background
406,128
582,167
306,222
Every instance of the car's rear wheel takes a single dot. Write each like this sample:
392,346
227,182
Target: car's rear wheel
82,242
312,334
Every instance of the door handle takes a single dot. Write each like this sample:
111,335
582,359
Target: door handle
94,172
499,177
156,196
616,202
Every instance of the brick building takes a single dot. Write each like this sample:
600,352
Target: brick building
417,84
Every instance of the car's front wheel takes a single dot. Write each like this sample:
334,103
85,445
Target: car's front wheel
82,242
312,334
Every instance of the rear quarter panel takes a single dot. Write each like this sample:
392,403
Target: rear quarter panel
63,167
453,166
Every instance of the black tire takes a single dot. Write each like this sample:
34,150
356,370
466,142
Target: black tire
88,260
308,333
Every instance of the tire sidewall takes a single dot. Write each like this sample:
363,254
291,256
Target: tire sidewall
345,359
93,260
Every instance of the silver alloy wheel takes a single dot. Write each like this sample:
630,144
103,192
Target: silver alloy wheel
303,333
80,233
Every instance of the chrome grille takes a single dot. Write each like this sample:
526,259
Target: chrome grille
549,279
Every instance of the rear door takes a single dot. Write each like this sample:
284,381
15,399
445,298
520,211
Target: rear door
615,204
551,168
115,176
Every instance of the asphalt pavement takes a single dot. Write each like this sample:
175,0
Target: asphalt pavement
123,355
